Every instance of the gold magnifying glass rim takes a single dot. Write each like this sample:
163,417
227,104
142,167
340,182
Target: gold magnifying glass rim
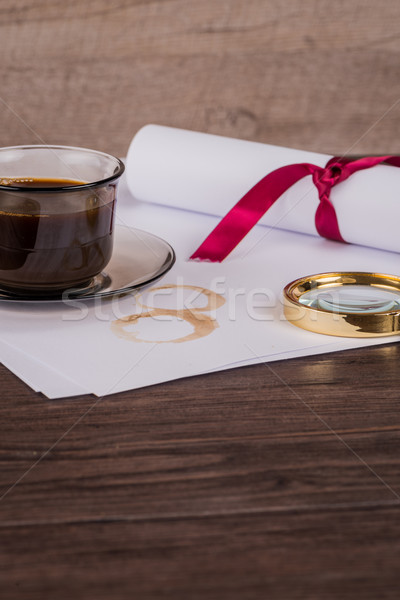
341,323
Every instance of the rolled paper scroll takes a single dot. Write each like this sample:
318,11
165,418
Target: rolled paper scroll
210,174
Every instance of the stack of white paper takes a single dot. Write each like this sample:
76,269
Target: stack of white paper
207,317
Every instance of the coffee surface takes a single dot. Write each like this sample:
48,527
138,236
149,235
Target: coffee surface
54,239
39,182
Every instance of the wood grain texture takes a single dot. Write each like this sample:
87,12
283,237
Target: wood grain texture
272,481
317,75
276,481
295,555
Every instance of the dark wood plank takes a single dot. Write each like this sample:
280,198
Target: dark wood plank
342,553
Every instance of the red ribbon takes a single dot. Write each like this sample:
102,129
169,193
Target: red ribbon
249,210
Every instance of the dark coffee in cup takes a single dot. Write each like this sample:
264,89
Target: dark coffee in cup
54,251
56,217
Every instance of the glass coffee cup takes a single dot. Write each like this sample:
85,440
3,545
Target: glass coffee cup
57,206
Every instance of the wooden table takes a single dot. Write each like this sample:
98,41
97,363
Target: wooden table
279,480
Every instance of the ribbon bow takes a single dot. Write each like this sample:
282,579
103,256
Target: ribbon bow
255,203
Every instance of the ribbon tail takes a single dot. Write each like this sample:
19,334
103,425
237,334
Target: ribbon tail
326,221
248,211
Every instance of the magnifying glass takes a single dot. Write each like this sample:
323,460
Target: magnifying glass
349,304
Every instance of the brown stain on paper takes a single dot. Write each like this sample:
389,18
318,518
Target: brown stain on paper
203,324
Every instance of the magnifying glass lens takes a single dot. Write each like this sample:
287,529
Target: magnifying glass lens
352,299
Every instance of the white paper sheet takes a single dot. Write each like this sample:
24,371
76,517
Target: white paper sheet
208,173
37,375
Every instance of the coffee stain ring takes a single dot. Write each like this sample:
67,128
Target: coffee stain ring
202,323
